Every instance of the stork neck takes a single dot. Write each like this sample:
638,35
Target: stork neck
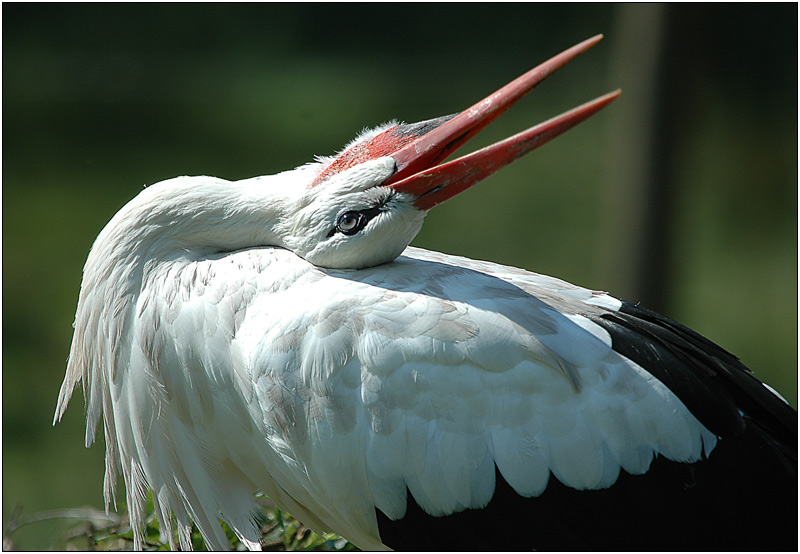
201,215
184,219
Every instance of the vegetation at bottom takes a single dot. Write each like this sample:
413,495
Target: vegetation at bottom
92,529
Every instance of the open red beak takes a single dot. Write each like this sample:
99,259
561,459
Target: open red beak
417,171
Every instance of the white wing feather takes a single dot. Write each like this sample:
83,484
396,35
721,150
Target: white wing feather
334,391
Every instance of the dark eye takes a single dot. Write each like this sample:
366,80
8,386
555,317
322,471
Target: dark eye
350,223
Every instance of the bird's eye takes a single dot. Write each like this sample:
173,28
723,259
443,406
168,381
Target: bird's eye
350,223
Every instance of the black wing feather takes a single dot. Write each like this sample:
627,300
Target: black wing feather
716,387
742,497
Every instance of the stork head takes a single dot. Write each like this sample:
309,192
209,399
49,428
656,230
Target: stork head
365,205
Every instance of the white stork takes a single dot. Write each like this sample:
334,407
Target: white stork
278,334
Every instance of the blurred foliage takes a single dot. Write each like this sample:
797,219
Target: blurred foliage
101,99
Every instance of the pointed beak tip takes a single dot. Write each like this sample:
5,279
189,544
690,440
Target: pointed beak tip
417,171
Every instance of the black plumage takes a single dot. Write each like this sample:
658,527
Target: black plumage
743,496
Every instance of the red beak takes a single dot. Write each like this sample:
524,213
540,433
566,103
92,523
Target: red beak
417,173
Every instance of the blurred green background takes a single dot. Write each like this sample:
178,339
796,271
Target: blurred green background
682,194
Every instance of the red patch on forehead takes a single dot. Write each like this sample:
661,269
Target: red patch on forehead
380,145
